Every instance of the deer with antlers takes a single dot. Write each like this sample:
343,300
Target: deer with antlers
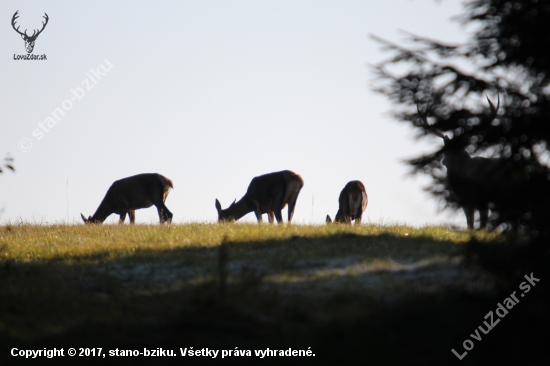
268,193
474,179
29,40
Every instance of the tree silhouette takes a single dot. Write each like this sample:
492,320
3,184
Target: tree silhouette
507,57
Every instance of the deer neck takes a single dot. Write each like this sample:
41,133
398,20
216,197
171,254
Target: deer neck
456,161
239,209
102,212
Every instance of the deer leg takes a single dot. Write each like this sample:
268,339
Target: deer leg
122,211
164,213
258,212
168,215
348,216
483,217
278,209
270,216
122,217
469,212
292,206
358,219
279,215
132,215
158,198
345,216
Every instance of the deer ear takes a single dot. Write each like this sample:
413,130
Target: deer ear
218,205
83,218
23,36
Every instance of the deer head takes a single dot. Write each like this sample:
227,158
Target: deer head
228,213
454,154
87,220
29,40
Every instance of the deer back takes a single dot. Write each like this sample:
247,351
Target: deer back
140,191
267,188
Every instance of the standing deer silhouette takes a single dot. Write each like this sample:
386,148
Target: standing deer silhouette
473,179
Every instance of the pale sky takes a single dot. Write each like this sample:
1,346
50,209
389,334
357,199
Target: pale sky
210,94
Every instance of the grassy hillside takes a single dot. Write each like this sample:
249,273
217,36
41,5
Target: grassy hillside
349,293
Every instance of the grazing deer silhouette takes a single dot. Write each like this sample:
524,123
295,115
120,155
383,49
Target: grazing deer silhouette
268,193
473,179
353,201
132,193
29,40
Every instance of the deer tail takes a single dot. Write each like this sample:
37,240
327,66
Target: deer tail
166,182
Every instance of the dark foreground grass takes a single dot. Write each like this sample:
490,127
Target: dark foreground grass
368,295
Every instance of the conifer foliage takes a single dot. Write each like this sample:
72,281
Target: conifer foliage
506,58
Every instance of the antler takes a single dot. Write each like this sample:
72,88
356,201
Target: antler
426,124
438,133
493,109
15,16
43,26
34,34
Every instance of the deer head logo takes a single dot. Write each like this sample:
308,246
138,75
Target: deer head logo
29,40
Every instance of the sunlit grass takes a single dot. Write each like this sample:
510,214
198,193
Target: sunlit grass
76,242
57,277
